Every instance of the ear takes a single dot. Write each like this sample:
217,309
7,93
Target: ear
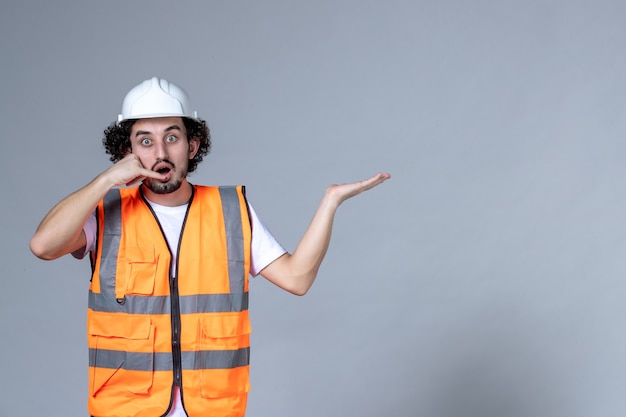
194,145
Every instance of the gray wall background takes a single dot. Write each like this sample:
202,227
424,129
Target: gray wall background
486,278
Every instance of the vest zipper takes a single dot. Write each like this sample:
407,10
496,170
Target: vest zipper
176,326
175,317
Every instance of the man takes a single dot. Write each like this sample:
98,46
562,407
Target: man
168,326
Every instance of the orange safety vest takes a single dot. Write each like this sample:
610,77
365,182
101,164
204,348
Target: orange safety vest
149,331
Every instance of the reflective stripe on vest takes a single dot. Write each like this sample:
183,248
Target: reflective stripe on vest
130,306
213,359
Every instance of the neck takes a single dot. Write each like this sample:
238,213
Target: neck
176,198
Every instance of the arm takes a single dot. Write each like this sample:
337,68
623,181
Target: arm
61,230
296,272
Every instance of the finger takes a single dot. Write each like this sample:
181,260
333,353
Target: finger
382,176
135,181
377,179
151,174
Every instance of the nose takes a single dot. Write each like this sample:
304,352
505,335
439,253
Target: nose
160,150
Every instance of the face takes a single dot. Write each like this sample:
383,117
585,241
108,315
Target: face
161,145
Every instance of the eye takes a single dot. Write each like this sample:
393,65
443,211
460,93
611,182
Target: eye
146,141
171,138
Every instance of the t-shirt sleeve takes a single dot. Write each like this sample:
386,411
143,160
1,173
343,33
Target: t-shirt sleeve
90,229
265,248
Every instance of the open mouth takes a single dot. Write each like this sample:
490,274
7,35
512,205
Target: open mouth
164,168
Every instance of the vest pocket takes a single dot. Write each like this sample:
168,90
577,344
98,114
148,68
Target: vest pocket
121,353
224,355
142,264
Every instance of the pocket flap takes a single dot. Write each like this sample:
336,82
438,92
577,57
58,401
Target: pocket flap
225,325
119,325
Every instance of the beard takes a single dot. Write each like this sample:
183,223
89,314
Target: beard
172,185
163,188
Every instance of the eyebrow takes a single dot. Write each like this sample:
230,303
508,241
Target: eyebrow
169,129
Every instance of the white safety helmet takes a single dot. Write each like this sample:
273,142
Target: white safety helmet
156,97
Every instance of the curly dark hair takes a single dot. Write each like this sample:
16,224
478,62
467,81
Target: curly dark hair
116,139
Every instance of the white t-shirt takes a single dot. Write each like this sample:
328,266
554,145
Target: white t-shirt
264,250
